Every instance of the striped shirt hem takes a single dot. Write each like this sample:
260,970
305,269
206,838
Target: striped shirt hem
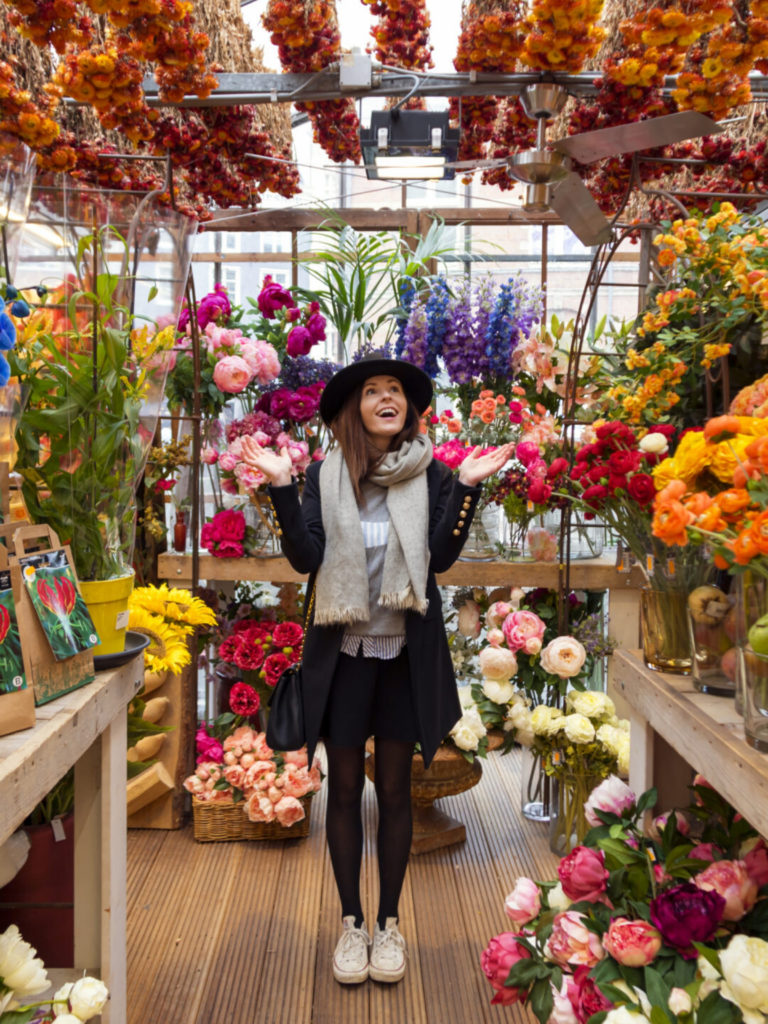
384,647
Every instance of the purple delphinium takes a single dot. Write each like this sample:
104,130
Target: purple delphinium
407,290
462,348
438,313
415,334
369,350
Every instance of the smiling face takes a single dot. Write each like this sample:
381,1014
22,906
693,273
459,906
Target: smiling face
383,408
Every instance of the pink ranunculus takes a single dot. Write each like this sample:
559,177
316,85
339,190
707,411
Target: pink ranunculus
496,614
539,492
273,296
235,775
209,456
523,903
289,810
232,375
296,757
208,748
756,861
632,943
229,549
520,626
730,879
496,960
612,795
572,943
299,455
659,823
260,746
583,874
296,782
299,341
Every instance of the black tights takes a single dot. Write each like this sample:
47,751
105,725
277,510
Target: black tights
344,824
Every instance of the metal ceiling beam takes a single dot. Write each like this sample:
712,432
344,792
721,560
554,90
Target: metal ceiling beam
252,88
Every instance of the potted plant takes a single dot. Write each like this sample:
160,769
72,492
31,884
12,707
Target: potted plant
89,372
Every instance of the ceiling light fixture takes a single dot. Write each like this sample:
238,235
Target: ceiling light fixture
409,144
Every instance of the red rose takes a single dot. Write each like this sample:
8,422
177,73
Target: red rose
641,488
287,634
274,667
583,874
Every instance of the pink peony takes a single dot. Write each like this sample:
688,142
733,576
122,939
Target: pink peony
289,810
299,341
584,995
209,456
496,614
208,748
296,757
612,795
583,874
632,943
496,960
705,851
214,306
523,903
562,1008
527,452
273,296
572,943
563,657
520,626
232,375
259,807
730,879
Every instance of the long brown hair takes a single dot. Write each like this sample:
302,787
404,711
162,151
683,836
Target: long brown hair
359,454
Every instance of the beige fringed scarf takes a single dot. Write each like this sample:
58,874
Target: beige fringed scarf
342,579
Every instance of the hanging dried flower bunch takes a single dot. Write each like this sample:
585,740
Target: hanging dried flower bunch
562,34
514,131
20,116
306,33
492,39
401,36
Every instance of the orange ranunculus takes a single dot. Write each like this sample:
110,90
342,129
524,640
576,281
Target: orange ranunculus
487,417
757,450
721,425
698,503
758,530
743,473
675,489
721,562
711,519
744,548
733,500
670,520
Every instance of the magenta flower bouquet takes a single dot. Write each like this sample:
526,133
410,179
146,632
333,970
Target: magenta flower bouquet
667,926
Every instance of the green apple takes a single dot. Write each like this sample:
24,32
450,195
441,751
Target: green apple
758,635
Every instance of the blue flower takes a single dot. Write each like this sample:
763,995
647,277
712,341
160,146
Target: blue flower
7,332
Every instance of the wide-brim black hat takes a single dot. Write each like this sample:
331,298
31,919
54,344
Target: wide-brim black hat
416,384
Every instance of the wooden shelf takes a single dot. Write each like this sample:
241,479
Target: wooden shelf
705,730
587,574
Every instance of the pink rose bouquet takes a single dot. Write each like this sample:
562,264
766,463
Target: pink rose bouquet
685,944
269,784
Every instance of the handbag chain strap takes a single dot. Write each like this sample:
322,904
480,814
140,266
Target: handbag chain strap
307,617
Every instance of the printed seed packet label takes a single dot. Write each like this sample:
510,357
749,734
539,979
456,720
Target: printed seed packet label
12,676
58,605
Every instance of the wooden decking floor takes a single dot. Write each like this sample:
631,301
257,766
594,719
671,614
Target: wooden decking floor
243,933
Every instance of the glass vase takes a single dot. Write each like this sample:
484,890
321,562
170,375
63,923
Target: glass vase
567,822
536,788
751,635
483,535
664,630
585,537
711,634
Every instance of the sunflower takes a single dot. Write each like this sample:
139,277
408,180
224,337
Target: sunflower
173,604
168,649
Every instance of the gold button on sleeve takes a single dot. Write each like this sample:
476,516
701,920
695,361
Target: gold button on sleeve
456,533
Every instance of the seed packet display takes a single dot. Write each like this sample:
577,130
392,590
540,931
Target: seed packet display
62,613
12,678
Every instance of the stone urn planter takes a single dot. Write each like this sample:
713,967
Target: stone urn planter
450,773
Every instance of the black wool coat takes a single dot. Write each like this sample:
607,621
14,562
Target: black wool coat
451,508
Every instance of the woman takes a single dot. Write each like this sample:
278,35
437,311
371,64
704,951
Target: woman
379,518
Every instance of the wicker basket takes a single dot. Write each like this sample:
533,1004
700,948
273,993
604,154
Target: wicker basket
223,821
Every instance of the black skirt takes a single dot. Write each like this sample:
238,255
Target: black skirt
370,697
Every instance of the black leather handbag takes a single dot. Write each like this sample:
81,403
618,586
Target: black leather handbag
285,725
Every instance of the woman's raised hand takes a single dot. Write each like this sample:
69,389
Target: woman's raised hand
277,468
476,467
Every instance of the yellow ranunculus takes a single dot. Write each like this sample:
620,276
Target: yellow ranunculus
691,458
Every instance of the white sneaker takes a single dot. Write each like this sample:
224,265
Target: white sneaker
350,958
388,953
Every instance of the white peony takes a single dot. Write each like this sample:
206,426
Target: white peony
465,697
86,998
464,737
623,1015
578,729
497,663
498,691
545,721
564,657
609,736
557,899
622,756
591,703
679,1001
20,971
744,963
